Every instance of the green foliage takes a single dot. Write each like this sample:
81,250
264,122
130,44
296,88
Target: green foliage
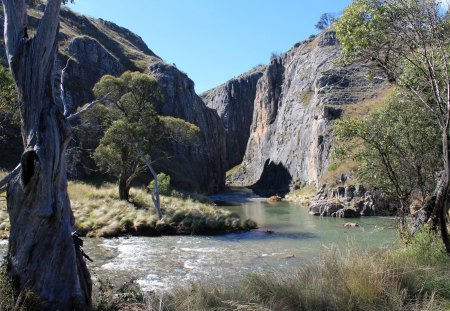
132,129
361,27
180,131
8,95
163,184
397,147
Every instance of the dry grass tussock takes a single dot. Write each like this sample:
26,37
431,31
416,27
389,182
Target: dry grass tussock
100,213
302,196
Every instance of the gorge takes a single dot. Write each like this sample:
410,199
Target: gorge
275,121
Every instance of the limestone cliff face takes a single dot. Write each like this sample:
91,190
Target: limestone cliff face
297,100
90,48
233,101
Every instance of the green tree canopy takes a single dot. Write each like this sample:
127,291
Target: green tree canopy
408,41
133,131
397,148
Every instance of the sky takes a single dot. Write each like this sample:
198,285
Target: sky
215,40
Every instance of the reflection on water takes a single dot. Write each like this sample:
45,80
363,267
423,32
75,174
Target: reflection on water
164,262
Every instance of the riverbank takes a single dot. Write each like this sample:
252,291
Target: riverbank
99,213
410,277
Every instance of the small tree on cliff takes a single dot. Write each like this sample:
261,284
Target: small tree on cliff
42,256
133,130
325,20
408,40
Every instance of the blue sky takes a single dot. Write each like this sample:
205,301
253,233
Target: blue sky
214,40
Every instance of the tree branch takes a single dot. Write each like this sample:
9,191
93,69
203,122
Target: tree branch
87,108
15,12
46,33
63,91
8,178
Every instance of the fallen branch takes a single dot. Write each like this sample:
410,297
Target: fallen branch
8,178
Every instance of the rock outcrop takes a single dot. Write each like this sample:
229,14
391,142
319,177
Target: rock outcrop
298,98
234,102
200,167
90,48
350,201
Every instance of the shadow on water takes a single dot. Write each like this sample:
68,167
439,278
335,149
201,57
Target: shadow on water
234,196
257,235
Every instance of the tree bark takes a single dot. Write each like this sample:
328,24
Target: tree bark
155,193
124,176
42,255
440,212
124,187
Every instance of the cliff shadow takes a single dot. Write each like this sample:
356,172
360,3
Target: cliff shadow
275,180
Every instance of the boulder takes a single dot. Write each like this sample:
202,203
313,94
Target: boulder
325,208
346,213
350,225
274,199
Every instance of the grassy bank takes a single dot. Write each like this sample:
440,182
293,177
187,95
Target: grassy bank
411,278
302,196
100,213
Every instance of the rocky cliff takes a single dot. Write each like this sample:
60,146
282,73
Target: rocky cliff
234,102
90,48
200,167
298,98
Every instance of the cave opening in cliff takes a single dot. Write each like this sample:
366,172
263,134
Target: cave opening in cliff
275,180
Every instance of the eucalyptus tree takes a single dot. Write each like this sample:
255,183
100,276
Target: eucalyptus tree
409,42
133,131
43,256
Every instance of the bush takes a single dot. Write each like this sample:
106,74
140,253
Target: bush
163,184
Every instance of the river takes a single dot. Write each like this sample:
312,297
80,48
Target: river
163,262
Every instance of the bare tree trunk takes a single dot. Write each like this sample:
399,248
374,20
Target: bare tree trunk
124,187
42,255
155,193
440,212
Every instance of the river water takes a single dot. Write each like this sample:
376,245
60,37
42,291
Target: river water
161,263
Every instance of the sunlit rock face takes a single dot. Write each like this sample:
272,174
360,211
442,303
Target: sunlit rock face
298,98
234,103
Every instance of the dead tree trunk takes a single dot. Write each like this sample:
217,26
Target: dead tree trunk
155,192
42,256
440,213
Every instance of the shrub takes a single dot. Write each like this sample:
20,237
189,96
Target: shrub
163,184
